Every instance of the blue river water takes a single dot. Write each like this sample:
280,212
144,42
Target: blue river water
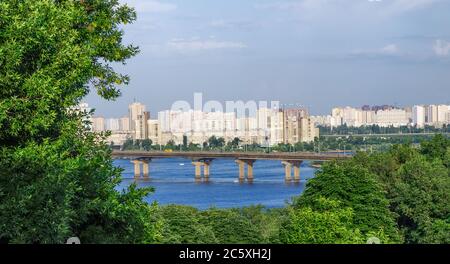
174,183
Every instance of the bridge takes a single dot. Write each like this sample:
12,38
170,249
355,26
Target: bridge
290,161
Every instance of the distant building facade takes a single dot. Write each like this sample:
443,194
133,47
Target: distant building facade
266,127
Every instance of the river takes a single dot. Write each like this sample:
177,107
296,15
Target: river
174,183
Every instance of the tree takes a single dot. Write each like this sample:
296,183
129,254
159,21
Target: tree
137,144
128,144
215,142
420,197
170,143
57,179
327,223
416,183
230,227
193,147
182,226
436,148
185,142
355,187
146,144
235,142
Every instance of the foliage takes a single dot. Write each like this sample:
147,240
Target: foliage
437,148
183,224
230,227
420,195
138,144
417,184
214,142
57,179
355,187
328,223
66,187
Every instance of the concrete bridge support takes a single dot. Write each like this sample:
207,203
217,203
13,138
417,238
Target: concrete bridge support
198,168
296,165
242,164
145,168
137,168
287,171
288,165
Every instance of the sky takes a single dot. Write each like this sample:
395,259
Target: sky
317,53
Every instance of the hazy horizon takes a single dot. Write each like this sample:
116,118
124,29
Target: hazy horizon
312,52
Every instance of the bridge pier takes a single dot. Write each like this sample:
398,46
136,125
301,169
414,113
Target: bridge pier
287,171
296,165
242,163
145,168
288,165
206,168
198,168
137,168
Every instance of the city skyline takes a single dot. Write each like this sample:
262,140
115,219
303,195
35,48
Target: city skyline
319,53
265,124
154,114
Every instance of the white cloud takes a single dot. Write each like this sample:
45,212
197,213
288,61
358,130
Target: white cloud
232,24
388,50
184,45
150,6
192,46
441,48
279,5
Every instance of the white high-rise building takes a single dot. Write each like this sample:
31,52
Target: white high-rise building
348,115
98,124
436,115
112,124
141,126
326,121
431,115
442,111
265,128
392,117
153,131
270,126
134,111
124,124
418,116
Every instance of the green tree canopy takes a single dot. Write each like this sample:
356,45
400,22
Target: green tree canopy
57,179
327,223
355,187
417,184
437,148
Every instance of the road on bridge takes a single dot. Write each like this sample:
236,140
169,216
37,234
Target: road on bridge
232,155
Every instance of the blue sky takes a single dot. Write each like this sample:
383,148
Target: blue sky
318,53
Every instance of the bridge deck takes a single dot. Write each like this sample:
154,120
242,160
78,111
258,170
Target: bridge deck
232,155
